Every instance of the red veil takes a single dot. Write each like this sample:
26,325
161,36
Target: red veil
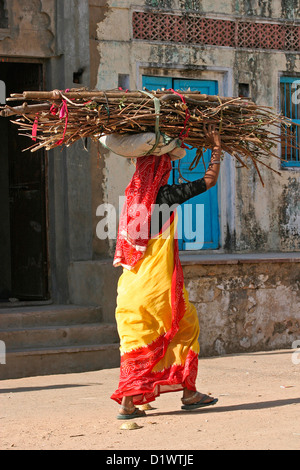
151,173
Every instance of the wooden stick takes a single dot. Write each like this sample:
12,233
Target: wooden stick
24,109
57,95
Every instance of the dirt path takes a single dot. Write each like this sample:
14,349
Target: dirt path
259,408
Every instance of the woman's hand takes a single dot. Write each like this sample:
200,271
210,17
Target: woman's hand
213,136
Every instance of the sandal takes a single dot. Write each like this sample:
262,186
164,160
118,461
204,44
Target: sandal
187,405
131,413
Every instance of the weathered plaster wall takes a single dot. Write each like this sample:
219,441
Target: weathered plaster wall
56,34
70,191
241,306
256,218
31,29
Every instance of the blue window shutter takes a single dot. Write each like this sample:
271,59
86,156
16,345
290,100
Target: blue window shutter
156,83
207,237
198,217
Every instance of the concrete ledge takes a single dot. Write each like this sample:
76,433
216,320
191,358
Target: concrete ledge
64,349
60,360
48,315
224,258
55,336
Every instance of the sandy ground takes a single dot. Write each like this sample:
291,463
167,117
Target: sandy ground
259,408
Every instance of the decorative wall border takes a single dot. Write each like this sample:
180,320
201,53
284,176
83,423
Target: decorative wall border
200,30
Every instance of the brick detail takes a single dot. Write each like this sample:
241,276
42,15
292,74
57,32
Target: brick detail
194,29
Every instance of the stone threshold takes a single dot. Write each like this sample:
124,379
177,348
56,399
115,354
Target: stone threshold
15,303
189,259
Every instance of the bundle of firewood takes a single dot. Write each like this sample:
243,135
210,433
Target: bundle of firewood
249,132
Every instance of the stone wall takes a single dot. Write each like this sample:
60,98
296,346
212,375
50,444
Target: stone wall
245,305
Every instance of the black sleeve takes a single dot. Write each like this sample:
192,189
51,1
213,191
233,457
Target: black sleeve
180,193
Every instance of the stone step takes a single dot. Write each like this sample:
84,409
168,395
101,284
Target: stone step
61,335
56,339
60,360
48,315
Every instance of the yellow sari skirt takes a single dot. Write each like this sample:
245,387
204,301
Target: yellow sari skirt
157,325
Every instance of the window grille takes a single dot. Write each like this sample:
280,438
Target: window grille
290,107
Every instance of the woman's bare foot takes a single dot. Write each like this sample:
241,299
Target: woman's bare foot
127,406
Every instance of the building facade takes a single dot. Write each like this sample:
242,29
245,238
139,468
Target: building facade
44,45
244,279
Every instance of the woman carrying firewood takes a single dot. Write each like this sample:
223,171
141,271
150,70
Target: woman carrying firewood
157,325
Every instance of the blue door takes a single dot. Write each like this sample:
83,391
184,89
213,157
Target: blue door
199,217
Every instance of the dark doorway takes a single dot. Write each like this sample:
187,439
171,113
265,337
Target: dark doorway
23,234
3,14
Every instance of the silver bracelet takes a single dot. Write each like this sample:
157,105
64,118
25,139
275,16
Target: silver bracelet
213,162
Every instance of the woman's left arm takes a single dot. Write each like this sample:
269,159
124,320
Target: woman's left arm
212,174
180,193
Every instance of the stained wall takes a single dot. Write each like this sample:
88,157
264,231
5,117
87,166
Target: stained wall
252,217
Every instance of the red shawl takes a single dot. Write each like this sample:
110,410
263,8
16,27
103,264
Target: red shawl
151,173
